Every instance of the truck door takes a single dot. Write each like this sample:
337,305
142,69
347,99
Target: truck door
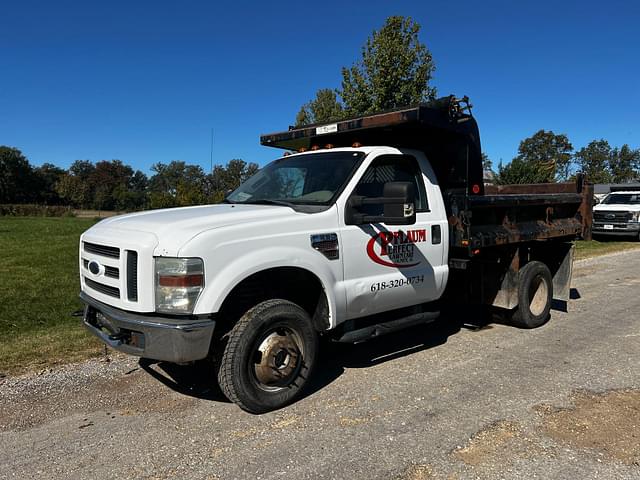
386,266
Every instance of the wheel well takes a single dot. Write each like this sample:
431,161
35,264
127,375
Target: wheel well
297,285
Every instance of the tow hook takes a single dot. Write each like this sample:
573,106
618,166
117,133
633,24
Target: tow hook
119,337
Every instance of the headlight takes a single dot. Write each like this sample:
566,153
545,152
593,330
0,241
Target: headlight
635,216
179,281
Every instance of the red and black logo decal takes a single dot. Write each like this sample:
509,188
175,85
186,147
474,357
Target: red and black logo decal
396,249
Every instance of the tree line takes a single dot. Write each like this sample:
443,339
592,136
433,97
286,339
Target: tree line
114,185
548,157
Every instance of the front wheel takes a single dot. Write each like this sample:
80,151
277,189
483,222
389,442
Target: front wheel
268,357
535,293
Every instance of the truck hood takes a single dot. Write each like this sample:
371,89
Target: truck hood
174,227
613,207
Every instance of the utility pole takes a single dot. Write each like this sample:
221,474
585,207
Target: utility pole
211,155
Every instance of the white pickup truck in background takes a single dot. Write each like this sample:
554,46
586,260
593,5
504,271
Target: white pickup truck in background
340,240
618,214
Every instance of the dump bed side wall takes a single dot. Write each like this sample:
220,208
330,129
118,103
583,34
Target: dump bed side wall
515,214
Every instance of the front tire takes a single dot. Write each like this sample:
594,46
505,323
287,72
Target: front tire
268,357
535,293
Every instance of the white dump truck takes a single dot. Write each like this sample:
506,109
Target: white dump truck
363,227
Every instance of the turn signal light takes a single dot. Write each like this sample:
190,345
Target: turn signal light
194,280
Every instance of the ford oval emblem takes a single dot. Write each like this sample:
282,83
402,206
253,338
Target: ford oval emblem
94,267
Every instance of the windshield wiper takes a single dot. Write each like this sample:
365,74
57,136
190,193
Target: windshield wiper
266,201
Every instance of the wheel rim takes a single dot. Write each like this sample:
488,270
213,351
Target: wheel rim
538,293
278,358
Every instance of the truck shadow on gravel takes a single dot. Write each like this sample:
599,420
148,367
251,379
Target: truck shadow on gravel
199,381
336,357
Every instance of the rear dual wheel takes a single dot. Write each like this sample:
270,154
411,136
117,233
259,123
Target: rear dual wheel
535,293
268,356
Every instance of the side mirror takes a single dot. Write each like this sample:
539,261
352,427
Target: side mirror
398,202
403,212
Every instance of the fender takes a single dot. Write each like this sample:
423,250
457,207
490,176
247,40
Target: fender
222,278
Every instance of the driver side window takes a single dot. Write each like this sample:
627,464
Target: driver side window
391,168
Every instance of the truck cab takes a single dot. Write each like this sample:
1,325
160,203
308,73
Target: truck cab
362,268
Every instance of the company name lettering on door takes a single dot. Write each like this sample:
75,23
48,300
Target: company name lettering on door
396,249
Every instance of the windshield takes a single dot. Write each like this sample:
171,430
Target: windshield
622,199
310,179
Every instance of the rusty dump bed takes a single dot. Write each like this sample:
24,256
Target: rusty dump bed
479,216
510,214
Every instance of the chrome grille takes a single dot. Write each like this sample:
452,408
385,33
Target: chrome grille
126,264
102,288
104,250
111,272
603,216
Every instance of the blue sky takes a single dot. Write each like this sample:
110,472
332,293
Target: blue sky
145,81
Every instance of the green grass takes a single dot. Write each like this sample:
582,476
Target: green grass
602,247
39,288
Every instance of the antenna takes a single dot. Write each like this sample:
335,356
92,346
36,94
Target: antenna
211,155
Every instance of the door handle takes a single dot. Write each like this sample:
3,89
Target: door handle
436,234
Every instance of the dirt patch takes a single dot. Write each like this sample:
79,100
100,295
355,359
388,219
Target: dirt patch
417,472
488,442
352,422
497,442
607,422
288,421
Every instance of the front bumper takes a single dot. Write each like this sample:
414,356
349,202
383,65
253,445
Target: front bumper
157,338
618,228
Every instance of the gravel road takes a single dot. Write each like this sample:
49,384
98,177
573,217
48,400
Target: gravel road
446,401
